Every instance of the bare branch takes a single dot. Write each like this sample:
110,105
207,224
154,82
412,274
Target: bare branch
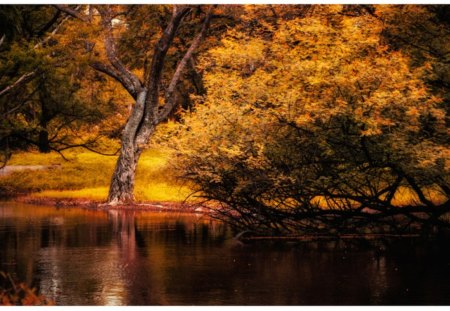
122,74
72,12
115,74
170,99
153,74
22,80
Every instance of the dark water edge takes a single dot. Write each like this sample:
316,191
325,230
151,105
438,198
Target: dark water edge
82,257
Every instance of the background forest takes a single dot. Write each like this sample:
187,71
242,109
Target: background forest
280,118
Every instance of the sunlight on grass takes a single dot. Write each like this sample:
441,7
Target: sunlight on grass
403,197
97,194
87,175
406,196
164,192
35,158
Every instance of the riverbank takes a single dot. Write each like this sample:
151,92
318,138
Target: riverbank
100,205
86,176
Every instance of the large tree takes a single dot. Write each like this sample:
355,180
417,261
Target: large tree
145,89
318,125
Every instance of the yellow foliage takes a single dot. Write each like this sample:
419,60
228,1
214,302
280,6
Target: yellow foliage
318,74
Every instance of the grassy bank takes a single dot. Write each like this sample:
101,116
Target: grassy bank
87,175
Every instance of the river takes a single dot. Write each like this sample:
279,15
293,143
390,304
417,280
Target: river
84,257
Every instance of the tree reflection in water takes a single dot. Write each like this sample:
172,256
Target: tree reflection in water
80,257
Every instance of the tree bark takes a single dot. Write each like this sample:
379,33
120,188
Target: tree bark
122,182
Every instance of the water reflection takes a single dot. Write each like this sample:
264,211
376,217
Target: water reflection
80,257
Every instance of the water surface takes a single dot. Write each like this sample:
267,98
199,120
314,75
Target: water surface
82,257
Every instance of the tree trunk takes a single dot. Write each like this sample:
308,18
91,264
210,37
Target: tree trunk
44,144
143,118
122,181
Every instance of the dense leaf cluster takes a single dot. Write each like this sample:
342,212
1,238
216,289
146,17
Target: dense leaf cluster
321,126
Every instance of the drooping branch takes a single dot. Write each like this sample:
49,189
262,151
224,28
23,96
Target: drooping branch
85,146
170,99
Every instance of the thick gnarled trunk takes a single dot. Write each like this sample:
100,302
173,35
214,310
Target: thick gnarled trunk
122,182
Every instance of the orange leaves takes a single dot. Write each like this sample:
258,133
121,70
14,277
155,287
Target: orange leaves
19,294
315,68
325,75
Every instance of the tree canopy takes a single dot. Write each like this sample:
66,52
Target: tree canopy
283,118
321,124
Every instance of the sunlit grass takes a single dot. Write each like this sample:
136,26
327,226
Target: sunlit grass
97,194
155,191
404,196
87,176
163,192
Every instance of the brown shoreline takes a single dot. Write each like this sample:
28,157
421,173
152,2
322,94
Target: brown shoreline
183,208
179,207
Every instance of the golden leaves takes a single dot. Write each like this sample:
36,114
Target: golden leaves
315,75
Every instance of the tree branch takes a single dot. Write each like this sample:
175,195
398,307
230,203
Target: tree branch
49,24
2,39
52,33
87,148
130,81
156,65
115,74
170,99
153,73
117,70
30,75
72,12
22,80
